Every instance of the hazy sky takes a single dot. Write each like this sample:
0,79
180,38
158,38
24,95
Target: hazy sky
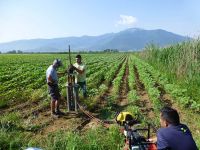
29,19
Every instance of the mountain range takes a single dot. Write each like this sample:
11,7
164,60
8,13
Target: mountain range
129,39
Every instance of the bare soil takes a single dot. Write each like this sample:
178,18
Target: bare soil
124,88
145,103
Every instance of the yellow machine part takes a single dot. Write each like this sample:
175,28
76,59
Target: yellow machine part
122,116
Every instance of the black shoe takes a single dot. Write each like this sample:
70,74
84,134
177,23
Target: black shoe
60,112
54,115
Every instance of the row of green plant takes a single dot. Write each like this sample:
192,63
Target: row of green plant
98,92
98,138
30,74
16,133
97,82
109,76
134,98
149,83
118,80
178,93
180,63
21,74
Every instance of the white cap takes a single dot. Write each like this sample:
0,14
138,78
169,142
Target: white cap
57,62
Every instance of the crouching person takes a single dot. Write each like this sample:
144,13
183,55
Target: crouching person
173,135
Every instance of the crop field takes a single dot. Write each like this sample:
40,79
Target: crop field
115,82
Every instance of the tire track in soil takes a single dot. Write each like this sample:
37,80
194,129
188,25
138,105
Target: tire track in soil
124,88
145,103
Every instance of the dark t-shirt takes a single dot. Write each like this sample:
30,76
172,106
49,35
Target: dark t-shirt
175,138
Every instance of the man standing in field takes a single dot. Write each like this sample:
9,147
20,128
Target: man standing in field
52,81
80,69
173,135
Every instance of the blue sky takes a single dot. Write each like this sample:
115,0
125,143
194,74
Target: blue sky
29,19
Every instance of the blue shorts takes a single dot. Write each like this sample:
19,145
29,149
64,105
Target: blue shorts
54,92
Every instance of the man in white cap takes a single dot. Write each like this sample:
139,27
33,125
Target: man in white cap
52,81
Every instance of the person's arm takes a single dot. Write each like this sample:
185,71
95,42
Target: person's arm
61,74
154,140
161,140
79,70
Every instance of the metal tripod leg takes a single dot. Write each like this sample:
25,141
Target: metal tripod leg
70,98
72,93
75,91
67,91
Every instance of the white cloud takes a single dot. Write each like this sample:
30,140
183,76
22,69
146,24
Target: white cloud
127,20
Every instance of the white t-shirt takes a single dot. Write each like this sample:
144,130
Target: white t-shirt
80,77
51,71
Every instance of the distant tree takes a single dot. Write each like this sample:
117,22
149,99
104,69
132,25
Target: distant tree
115,50
111,50
106,50
12,52
0,52
19,51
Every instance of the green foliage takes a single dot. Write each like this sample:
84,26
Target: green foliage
118,80
136,112
97,138
38,94
3,103
11,141
180,63
10,121
132,96
65,141
23,78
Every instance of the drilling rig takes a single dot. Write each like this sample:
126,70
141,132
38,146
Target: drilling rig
71,87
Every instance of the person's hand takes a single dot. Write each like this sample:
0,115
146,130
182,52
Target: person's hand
71,67
50,83
74,67
153,139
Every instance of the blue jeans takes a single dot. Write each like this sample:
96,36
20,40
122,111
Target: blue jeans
82,85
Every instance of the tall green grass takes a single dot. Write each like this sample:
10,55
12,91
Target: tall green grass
98,138
180,62
93,139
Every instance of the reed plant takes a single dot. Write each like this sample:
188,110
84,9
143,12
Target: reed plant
180,62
